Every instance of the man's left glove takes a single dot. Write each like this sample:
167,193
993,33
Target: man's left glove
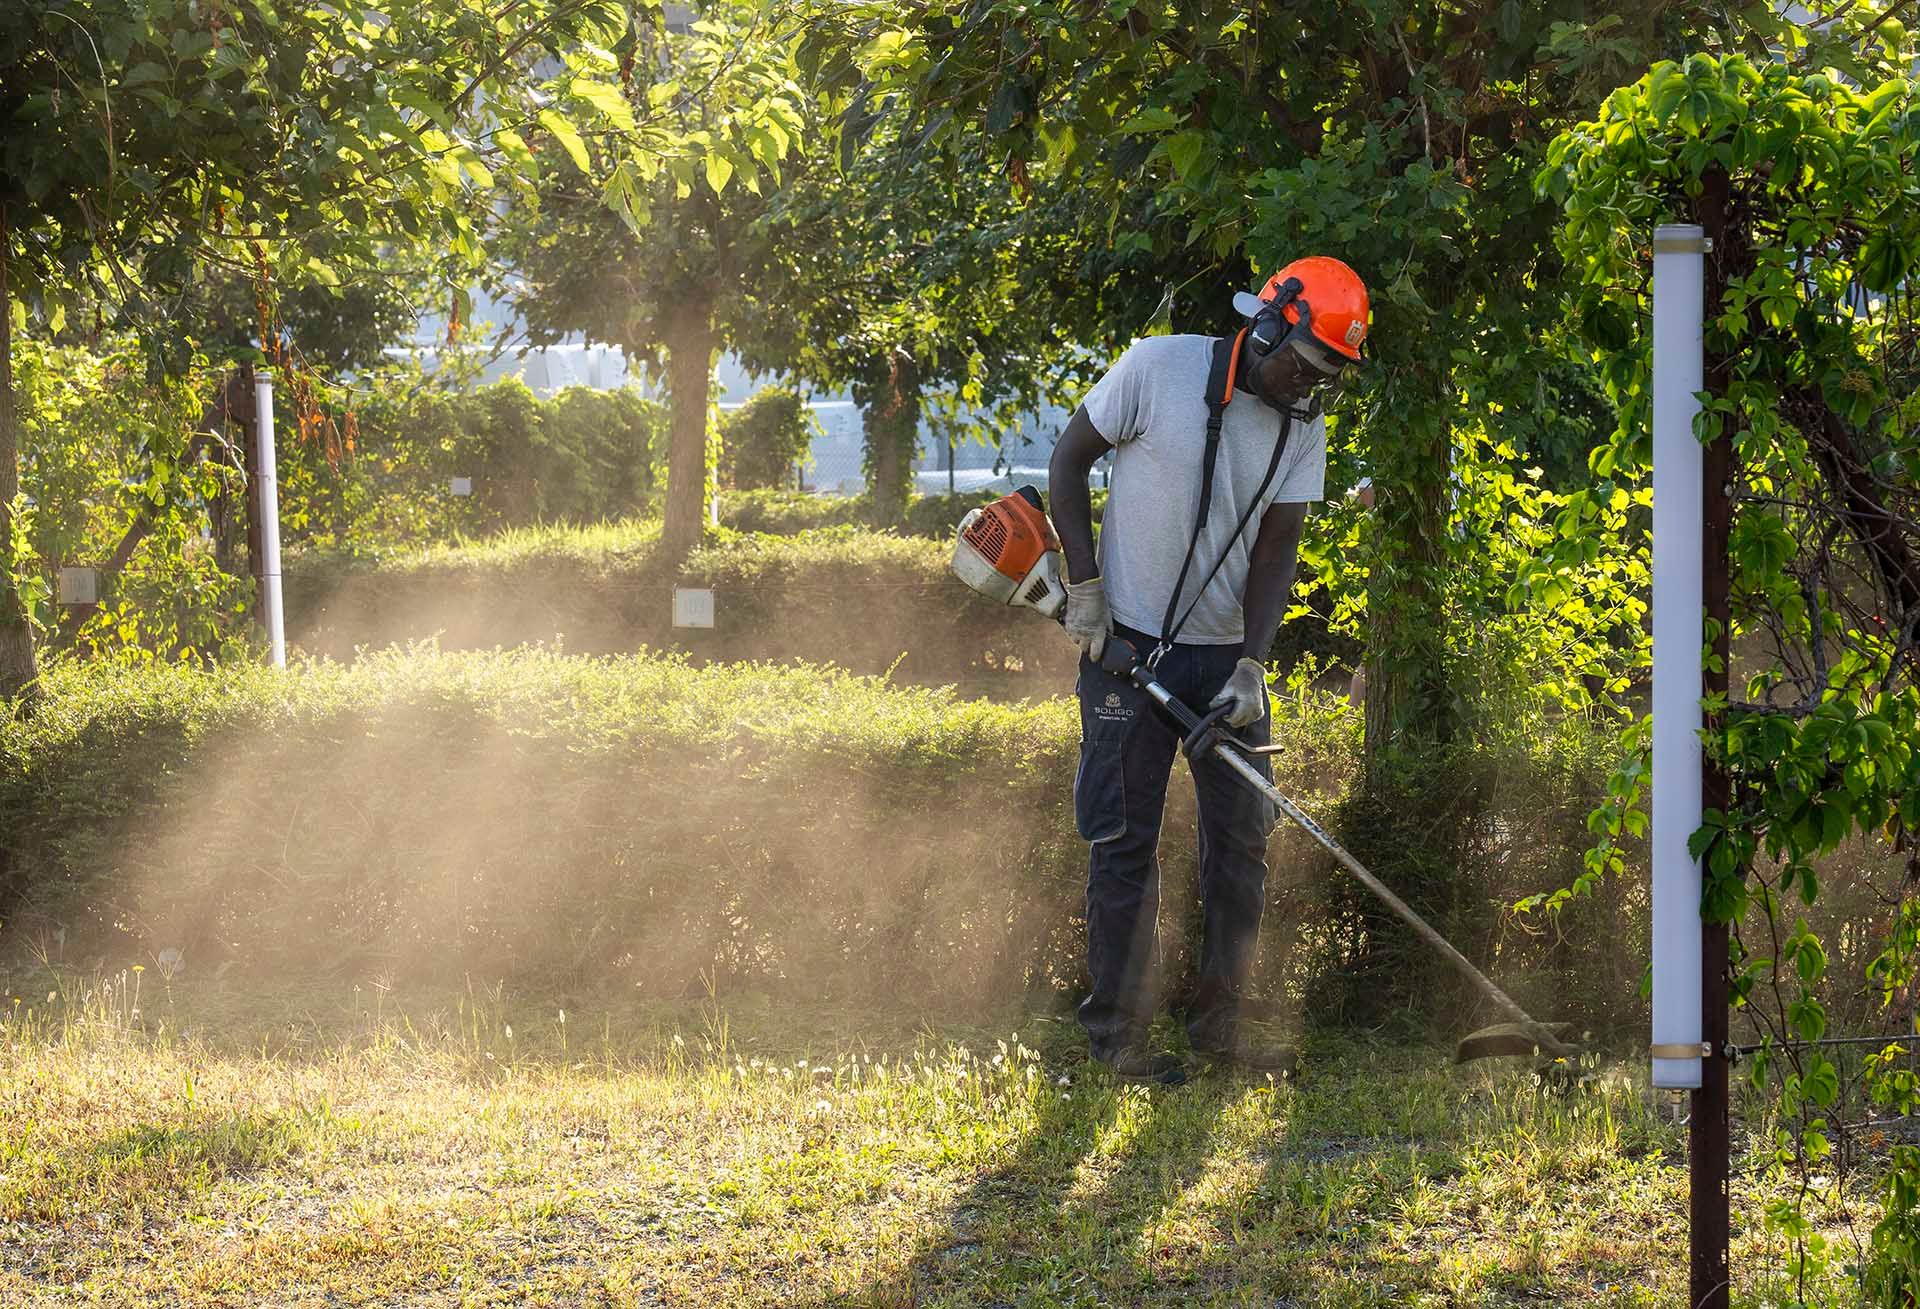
1246,690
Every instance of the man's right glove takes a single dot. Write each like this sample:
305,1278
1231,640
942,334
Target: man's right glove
1087,620
1246,691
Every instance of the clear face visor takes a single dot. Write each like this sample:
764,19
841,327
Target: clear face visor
1322,363
1327,363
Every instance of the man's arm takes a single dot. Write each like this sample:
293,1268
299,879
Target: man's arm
1074,456
1271,564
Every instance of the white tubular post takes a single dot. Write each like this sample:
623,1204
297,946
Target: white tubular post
1679,279
269,520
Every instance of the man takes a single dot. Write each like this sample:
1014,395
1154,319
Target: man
1150,585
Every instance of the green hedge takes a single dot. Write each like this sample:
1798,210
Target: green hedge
787,512
579,456
639,821
865,600
554,820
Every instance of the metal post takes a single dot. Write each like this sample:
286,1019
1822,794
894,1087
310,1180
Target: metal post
1710,1132
269,483
1690,522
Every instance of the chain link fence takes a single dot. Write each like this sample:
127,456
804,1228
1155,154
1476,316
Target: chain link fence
835,464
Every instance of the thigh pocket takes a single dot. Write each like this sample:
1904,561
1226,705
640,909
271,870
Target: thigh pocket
1099,787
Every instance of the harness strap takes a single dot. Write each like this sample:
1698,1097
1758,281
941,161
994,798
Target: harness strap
1220,381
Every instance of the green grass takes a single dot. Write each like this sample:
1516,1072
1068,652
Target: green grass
201,1144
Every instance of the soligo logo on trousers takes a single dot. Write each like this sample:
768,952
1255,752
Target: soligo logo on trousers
1112,708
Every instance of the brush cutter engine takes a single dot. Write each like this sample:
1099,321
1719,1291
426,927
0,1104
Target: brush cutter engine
1007,551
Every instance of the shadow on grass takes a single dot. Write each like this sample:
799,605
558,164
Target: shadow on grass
1067,1212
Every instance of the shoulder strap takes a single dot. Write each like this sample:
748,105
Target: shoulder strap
1220,379
1246,515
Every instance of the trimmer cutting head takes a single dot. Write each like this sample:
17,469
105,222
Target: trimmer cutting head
1007,551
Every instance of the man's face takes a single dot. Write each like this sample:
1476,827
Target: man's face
1284,378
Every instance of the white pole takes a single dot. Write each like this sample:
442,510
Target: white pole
1679,279
269,520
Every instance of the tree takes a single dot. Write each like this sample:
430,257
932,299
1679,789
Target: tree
1404,142
912,274
146,144
653,252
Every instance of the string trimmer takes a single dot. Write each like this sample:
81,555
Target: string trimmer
1007,551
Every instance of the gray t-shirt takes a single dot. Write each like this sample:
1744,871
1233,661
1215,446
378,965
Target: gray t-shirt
1152,408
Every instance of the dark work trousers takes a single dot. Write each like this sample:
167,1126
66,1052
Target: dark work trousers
1127,745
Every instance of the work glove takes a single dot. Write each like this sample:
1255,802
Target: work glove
1246,691
1087,620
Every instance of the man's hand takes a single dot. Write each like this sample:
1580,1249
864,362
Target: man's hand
1087,620
1246,691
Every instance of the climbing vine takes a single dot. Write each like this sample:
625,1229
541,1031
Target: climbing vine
1802,179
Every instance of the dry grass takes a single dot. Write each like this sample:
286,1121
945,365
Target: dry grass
197,1144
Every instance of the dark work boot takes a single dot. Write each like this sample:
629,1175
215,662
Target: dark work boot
1136,1063
1250,1056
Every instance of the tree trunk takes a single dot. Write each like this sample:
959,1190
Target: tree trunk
17,669
690,344
892,429
1409,704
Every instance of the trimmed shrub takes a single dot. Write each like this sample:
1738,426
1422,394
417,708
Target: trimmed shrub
562,821
787,512
568,822
762,440
868,601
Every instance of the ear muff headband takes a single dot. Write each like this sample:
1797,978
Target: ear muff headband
1271,327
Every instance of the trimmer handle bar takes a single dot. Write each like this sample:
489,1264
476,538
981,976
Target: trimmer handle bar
1205,736
1203,731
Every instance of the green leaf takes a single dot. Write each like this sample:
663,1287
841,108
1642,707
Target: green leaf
719,171
434,112
1184,150
514,147
1010,107
1155,118
563,132
608,100
1822,1082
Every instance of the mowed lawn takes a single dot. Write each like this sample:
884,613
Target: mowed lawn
205,1144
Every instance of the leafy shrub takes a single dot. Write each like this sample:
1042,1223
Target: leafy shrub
643,821
865,600
580,456
529,815
762,440
786,512
105,473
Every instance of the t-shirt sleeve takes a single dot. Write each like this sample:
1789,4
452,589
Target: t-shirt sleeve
1304,477
1117,404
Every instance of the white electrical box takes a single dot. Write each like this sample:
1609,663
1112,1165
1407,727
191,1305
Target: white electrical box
79,586
692,606
460,485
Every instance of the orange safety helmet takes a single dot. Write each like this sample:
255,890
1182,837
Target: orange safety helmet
1336,299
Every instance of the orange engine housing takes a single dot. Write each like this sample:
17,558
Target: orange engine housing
1007,551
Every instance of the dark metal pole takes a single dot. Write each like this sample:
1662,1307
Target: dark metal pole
1709,1134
